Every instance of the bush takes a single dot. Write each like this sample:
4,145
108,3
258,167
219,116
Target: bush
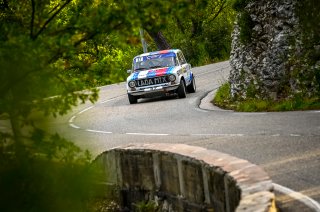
48,178
223,96
298,102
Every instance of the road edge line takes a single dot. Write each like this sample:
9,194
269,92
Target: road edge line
311,203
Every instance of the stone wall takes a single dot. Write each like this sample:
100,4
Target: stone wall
179,177
270,64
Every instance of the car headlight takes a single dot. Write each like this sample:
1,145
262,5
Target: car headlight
132,84
172,78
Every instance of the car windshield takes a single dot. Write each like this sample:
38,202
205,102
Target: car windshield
156,61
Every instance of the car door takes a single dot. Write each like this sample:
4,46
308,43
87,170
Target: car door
185,67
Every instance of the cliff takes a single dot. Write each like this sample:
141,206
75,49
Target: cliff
276,49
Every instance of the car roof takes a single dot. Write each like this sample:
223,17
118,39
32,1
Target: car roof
159,52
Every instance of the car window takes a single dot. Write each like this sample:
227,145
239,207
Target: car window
154,61
168,61
181,58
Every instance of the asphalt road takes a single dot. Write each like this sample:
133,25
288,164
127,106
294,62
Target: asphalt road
285,144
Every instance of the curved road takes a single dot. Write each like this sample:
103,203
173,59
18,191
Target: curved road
285,144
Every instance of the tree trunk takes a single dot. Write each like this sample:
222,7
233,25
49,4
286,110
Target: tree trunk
160,40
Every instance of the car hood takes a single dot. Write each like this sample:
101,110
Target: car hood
152,73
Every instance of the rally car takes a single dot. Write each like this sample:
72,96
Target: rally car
160,73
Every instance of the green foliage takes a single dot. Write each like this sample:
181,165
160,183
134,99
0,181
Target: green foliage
246,24
53,55
62,48
55,175
253,105
307,62
239,5
244,20
224,100
308,13
149,206
223,95
203,32
251,91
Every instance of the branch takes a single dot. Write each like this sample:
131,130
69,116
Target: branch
32,18
54,8
50,19
59,53
222,7
180,25
64,30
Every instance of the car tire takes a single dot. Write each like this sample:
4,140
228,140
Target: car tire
182,90
192,87
132,99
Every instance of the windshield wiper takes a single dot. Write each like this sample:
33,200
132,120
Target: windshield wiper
155,66
139,69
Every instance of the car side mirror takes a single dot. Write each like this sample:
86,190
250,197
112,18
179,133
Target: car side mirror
129,71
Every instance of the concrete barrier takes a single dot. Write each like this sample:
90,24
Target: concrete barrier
179,177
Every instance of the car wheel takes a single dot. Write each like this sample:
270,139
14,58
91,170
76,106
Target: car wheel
192,87
181,90
132,99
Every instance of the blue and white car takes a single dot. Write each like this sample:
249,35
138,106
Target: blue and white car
160,73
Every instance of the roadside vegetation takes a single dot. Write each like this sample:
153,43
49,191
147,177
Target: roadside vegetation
224,100
53,56
303,67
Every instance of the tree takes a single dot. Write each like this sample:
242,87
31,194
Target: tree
203,32
51,53
52,56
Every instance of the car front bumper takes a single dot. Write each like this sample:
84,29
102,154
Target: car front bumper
154,89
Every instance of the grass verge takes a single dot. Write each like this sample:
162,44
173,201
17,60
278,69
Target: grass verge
224,100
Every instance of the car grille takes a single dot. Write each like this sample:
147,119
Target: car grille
151,81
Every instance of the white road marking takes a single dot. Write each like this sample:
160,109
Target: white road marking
218,134
84,110
113,98
98,131
71,119
275,135
74,126
105,101
317,111
311,203
150,134
295,135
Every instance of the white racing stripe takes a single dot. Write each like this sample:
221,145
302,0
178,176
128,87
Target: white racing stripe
311,203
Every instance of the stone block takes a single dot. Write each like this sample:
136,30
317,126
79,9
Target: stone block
193,181
169,174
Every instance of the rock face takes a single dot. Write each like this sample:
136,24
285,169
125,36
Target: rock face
263,66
